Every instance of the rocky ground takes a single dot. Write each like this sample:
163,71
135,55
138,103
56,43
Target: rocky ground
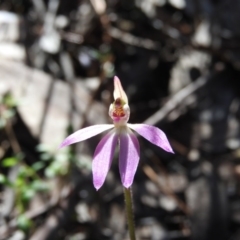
179,63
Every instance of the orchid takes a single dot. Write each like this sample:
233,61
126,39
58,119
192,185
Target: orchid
120,133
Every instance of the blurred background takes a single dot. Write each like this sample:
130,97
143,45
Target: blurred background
179,62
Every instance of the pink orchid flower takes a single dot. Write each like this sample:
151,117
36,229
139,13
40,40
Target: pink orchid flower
121,133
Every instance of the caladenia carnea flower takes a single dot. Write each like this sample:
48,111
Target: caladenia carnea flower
120,134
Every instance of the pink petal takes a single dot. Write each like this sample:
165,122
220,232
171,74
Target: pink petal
152,134
128,158
85,133
103,158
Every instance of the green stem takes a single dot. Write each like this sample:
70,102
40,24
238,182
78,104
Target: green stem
129,212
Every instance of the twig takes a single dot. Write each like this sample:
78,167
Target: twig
40,8
46,107
133,40
154,177
12,138
175,100
9,194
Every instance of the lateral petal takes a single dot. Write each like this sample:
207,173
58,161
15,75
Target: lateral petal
85,133
129,155
153,135
102,159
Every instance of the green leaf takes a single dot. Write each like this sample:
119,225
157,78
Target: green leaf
28,194
9,162
19,182
3,179
50,172
45,156
23,222
9,113
42,147
38,165
38,185
2,123
9,100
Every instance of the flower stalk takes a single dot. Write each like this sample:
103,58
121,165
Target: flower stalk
129,212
